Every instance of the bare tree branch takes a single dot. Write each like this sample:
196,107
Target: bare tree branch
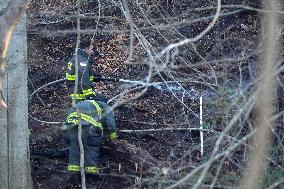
199,36
81,147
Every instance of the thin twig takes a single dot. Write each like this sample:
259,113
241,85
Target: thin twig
81,147
199,36
127,14
123,31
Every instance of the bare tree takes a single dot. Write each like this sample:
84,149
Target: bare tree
257,164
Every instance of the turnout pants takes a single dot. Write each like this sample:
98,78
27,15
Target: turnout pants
91,138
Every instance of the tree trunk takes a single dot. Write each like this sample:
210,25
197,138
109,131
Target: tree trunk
14,134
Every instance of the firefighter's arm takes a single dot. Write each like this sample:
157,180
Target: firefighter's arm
70,72
96,77
108,121
110,127
104,78
71,119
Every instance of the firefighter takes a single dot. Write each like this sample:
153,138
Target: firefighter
86,76
96,119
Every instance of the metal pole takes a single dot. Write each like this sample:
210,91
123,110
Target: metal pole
201,127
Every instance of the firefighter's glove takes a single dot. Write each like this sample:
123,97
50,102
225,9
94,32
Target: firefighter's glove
113,136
